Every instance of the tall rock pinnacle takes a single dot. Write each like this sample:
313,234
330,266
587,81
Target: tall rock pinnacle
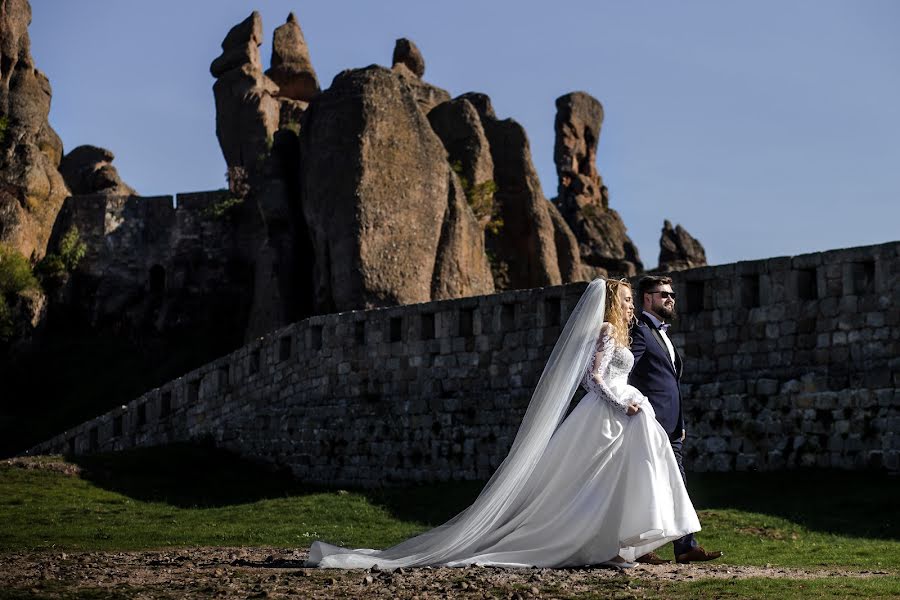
292,69
31,188
582,198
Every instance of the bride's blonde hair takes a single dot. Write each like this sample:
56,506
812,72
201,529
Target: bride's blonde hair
615,312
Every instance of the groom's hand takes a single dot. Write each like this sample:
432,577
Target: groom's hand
632,410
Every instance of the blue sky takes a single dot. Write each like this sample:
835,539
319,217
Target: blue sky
765,128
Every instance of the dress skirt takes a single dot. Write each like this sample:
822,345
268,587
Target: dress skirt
606,486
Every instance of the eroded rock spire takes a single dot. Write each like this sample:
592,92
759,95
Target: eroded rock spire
582,198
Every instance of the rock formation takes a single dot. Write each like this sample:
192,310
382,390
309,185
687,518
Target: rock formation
427,96
409,64
258,120
458,125
461,267
291,67
530,246
247,112
679,250
407,53
568,256
89,170
582,198
386,213
31,188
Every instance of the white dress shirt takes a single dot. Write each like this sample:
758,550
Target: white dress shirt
656,322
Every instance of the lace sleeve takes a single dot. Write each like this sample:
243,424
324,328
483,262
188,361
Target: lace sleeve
595,379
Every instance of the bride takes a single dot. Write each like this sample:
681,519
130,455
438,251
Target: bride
601,486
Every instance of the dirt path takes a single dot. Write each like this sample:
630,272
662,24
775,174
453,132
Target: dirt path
277,573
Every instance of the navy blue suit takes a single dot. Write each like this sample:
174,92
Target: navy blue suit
655,376
658,379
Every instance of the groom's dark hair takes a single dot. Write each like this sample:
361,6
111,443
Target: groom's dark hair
649,283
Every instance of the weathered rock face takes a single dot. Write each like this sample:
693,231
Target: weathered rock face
481,102
258,120
409,65
247,112
458,125
427,96
27,317
292,70
388,222
524,247
407,53
582,198
89,170
31,188
461,267
568,255
679,250
277,243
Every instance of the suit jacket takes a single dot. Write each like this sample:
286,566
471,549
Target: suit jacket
655,376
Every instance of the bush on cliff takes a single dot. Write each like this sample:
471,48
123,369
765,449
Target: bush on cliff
480,197
55,265
15,277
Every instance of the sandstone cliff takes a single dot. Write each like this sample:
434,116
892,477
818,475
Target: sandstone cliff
386,213
258,119
582,198
525,246
89,170
31,188
679,250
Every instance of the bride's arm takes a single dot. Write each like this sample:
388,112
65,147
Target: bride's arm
595,380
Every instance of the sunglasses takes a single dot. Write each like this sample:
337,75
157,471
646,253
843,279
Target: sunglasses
664,294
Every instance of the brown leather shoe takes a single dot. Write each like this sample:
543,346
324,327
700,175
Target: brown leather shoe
651,558
697,554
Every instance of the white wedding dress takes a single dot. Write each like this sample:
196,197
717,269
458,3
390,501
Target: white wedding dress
603,485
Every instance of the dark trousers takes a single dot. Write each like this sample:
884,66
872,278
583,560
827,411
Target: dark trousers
687,542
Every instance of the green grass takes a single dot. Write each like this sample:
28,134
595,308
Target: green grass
198,500
199,496
801,518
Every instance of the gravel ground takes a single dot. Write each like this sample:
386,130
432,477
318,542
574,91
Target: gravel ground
278,573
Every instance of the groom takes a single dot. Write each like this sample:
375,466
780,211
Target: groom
656,373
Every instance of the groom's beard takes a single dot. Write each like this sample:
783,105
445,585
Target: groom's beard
666,313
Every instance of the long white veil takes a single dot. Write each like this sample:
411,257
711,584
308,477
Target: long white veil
552,395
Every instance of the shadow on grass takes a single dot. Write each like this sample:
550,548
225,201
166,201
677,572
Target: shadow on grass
189,475
859,504
851,503
201,475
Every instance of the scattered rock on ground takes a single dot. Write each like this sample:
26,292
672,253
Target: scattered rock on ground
244,572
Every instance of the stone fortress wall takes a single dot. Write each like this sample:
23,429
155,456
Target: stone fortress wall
163,264
133,234
789,362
